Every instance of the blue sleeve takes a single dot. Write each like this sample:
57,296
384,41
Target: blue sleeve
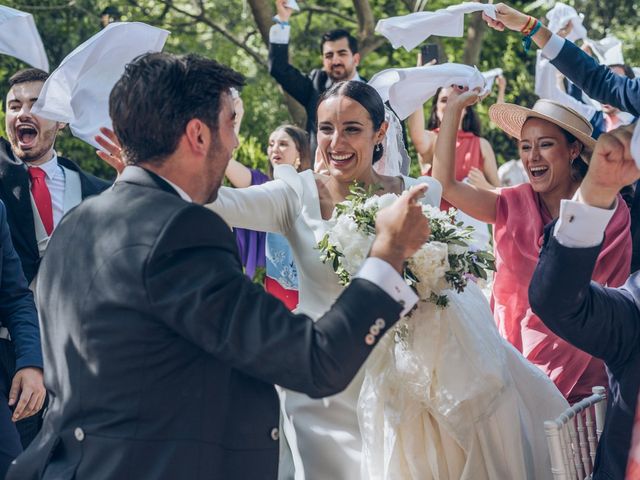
604,322
17,308
598,81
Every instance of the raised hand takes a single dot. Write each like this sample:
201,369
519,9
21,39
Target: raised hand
506,17
462,97
27,393
401,228
284,12
477,179
611,168
110,143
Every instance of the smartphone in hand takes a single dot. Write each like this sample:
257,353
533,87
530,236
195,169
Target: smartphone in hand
430,52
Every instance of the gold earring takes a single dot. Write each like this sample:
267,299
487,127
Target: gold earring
296,164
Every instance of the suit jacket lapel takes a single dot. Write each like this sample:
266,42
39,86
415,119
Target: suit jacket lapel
14,183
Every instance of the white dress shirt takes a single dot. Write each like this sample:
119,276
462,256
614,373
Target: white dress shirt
580,225
55,180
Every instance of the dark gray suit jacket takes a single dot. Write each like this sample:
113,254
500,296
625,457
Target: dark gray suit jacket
161,355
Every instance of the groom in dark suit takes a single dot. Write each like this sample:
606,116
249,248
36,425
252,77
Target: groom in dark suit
161,354
604,322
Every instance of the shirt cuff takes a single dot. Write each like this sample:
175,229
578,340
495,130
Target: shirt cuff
385,276
552,49
580,225
279,34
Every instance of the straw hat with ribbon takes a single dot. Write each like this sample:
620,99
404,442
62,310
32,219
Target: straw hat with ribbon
510,118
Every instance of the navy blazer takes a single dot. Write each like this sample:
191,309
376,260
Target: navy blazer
598,81
17,309
604,322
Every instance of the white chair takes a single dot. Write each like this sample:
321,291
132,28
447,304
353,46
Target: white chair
573,437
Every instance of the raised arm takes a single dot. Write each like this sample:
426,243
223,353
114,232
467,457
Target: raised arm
270,207
290,78
474,201
423,140
597,81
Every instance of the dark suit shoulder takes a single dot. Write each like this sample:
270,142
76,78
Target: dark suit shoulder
194,226
91,185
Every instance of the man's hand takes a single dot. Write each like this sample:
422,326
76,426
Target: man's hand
27,393
611,168
506,17
110,143
284,12
401,228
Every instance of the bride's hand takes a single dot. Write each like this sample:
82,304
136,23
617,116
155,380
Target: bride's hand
401,228
113,155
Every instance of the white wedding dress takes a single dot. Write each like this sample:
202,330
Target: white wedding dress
324,434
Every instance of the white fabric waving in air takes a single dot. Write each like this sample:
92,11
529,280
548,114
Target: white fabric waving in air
77,92
562,14
490,76
411,30
19,38
407,89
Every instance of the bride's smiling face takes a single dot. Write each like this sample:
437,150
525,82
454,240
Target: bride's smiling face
346,138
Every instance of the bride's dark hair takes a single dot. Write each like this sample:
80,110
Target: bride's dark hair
366,96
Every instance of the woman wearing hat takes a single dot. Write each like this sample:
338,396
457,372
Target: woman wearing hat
553,142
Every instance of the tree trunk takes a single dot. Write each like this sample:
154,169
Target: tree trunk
475,35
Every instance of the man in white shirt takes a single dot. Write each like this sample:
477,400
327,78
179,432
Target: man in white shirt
340,59
604,322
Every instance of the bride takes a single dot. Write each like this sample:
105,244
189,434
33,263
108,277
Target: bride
480,407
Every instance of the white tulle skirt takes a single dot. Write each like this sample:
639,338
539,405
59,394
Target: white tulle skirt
445,397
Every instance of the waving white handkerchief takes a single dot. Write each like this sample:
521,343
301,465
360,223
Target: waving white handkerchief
19,38
77,92
407,89
635,144
410,30
608,50
293,5
490,76
562,14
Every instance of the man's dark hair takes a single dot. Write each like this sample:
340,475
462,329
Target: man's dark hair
337,34
28,75
158,94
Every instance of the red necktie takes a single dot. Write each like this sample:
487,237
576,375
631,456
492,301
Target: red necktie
42,197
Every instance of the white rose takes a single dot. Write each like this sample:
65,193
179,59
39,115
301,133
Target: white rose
386,200
457,249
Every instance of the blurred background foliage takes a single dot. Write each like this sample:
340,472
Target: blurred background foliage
235,32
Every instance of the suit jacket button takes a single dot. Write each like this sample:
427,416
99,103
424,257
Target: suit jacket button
79,434
275,434
374,330
380,323
369,339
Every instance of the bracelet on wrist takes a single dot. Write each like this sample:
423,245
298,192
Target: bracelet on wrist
526,40
528,26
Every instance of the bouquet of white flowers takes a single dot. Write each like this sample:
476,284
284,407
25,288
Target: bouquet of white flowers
444,262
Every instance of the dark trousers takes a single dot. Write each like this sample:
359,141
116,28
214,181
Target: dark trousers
10,445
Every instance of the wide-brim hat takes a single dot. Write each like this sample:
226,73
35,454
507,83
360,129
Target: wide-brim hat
510,118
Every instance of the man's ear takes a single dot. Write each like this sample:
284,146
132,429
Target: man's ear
198,136
356,58
61,126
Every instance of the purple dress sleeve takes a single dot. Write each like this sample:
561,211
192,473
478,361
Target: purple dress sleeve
251,243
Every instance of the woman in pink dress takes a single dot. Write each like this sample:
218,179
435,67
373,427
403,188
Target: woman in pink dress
553,143
475,159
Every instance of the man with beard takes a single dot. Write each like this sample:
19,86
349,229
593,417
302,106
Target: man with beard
37,186
340,59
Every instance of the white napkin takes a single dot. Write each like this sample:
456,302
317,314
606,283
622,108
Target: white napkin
635,144
562,14
77,92
608,50
410,30
293,5
19,38
407,89
490,76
